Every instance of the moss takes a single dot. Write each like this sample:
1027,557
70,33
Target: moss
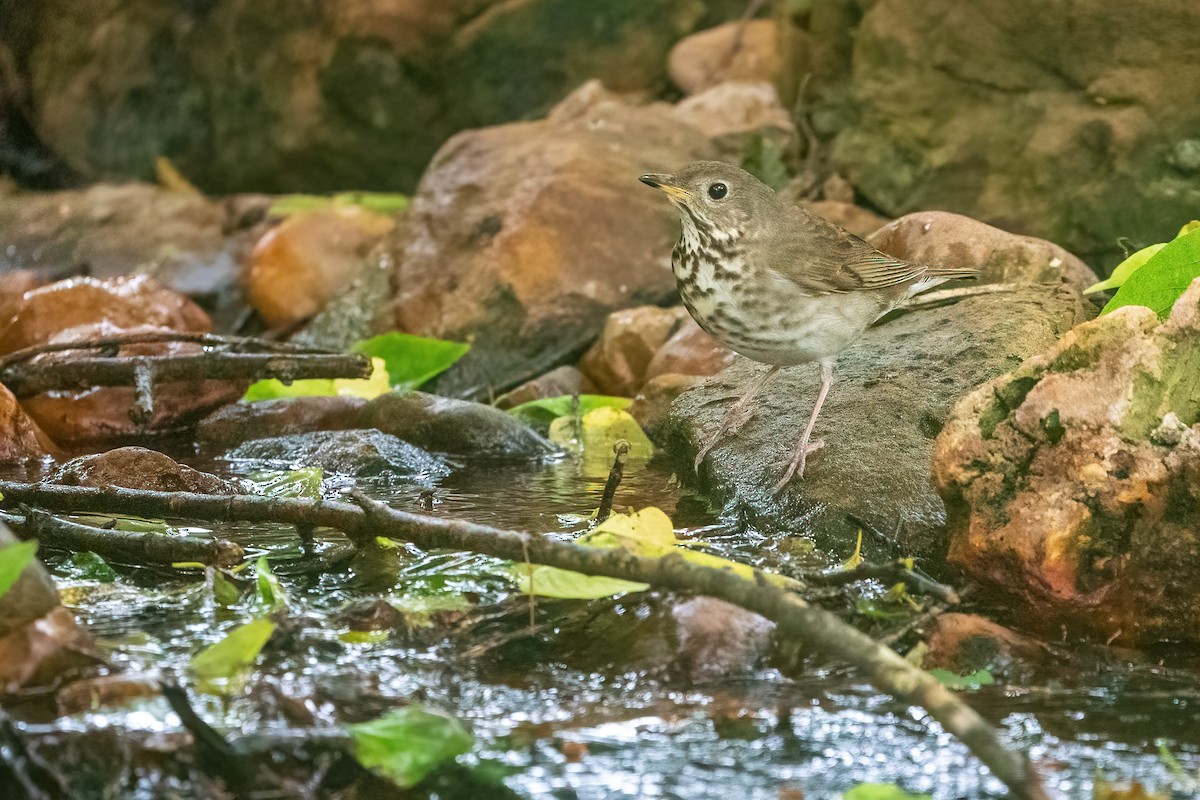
1052,427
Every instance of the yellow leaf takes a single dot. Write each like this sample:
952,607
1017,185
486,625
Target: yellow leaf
856,557
594,434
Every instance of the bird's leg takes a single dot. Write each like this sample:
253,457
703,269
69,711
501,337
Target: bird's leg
737,416
806,446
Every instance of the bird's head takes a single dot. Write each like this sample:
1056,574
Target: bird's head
714,197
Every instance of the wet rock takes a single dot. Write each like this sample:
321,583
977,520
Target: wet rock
361,309
334,94
1072,481
652,406
187,242
13,286
297,267
240,422
690,351
952,240
555,383
617,362
358,453
118,302
526,236
456,427
966,643
743,120
734,51
860,221
100,414
992,117
20,437
717,639
139,468
893,390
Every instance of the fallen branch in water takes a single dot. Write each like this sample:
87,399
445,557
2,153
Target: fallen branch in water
109,345
888,572
122,547
818,629
620,451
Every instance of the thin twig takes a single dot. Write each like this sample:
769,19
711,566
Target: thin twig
620,451
888,572
234,344
820,630
143,392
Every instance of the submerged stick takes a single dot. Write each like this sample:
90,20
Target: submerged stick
620,451
820,630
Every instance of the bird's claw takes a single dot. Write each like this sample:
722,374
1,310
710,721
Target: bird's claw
795,466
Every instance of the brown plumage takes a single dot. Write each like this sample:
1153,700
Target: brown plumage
777,283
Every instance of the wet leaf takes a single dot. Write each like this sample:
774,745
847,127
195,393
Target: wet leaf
89,566
1166,276
980,677
217,665
267,590
412,360
13,560
420,609
304,482
406,744
366,388
881,791
224,591
541,413
856,557
593,435
122,522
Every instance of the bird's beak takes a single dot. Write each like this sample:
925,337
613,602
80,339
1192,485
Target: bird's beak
667,184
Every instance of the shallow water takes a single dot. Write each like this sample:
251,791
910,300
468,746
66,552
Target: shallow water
610,730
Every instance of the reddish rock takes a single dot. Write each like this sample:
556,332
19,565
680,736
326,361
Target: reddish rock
652,406
241,422
1072,484
952,240
13,286
690,351
303,263
965,643
526,236
617,362
742,118
717,639
20,437
734,51
139,468
117,302
860,221
555,383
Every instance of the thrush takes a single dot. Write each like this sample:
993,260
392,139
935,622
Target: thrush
777,283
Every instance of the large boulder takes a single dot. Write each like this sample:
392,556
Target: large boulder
893,390
1073,482
357,453
525,236
324,96
1058,119
140,468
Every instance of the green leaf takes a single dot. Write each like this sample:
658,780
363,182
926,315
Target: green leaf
1126,268
122,522
406,744
225,592
220,663
1166,276
881,791
380,203
89,566
541,413
304,482
412,360
594,434
565,584
267,589
980,677
366,388
13,560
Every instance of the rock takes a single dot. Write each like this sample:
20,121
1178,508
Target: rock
617,362
860,221
297,267
951,240
690,351
652,406
734,51
119,302
456,427
966,643
555,383
893,390
526,236
187,242
20,437
1073,482
743,120
353,93
98,414
239,422
361,310
717,639
139,468
982,113
357,453
13,286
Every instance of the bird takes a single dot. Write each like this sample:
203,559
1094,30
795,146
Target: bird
777,283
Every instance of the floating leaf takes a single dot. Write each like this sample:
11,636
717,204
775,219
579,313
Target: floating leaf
267,589
217,665
13,560
89,566
366,388
541,413
224,591
980,677
594,434
405,745
304,482
412,360
881,791
1166,276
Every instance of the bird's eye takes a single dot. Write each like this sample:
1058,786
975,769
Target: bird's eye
717,191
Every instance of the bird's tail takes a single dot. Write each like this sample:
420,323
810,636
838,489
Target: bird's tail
935,276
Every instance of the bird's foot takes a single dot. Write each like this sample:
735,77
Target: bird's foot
796,466
735,419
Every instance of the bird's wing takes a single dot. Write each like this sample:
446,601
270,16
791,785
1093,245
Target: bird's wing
823,258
